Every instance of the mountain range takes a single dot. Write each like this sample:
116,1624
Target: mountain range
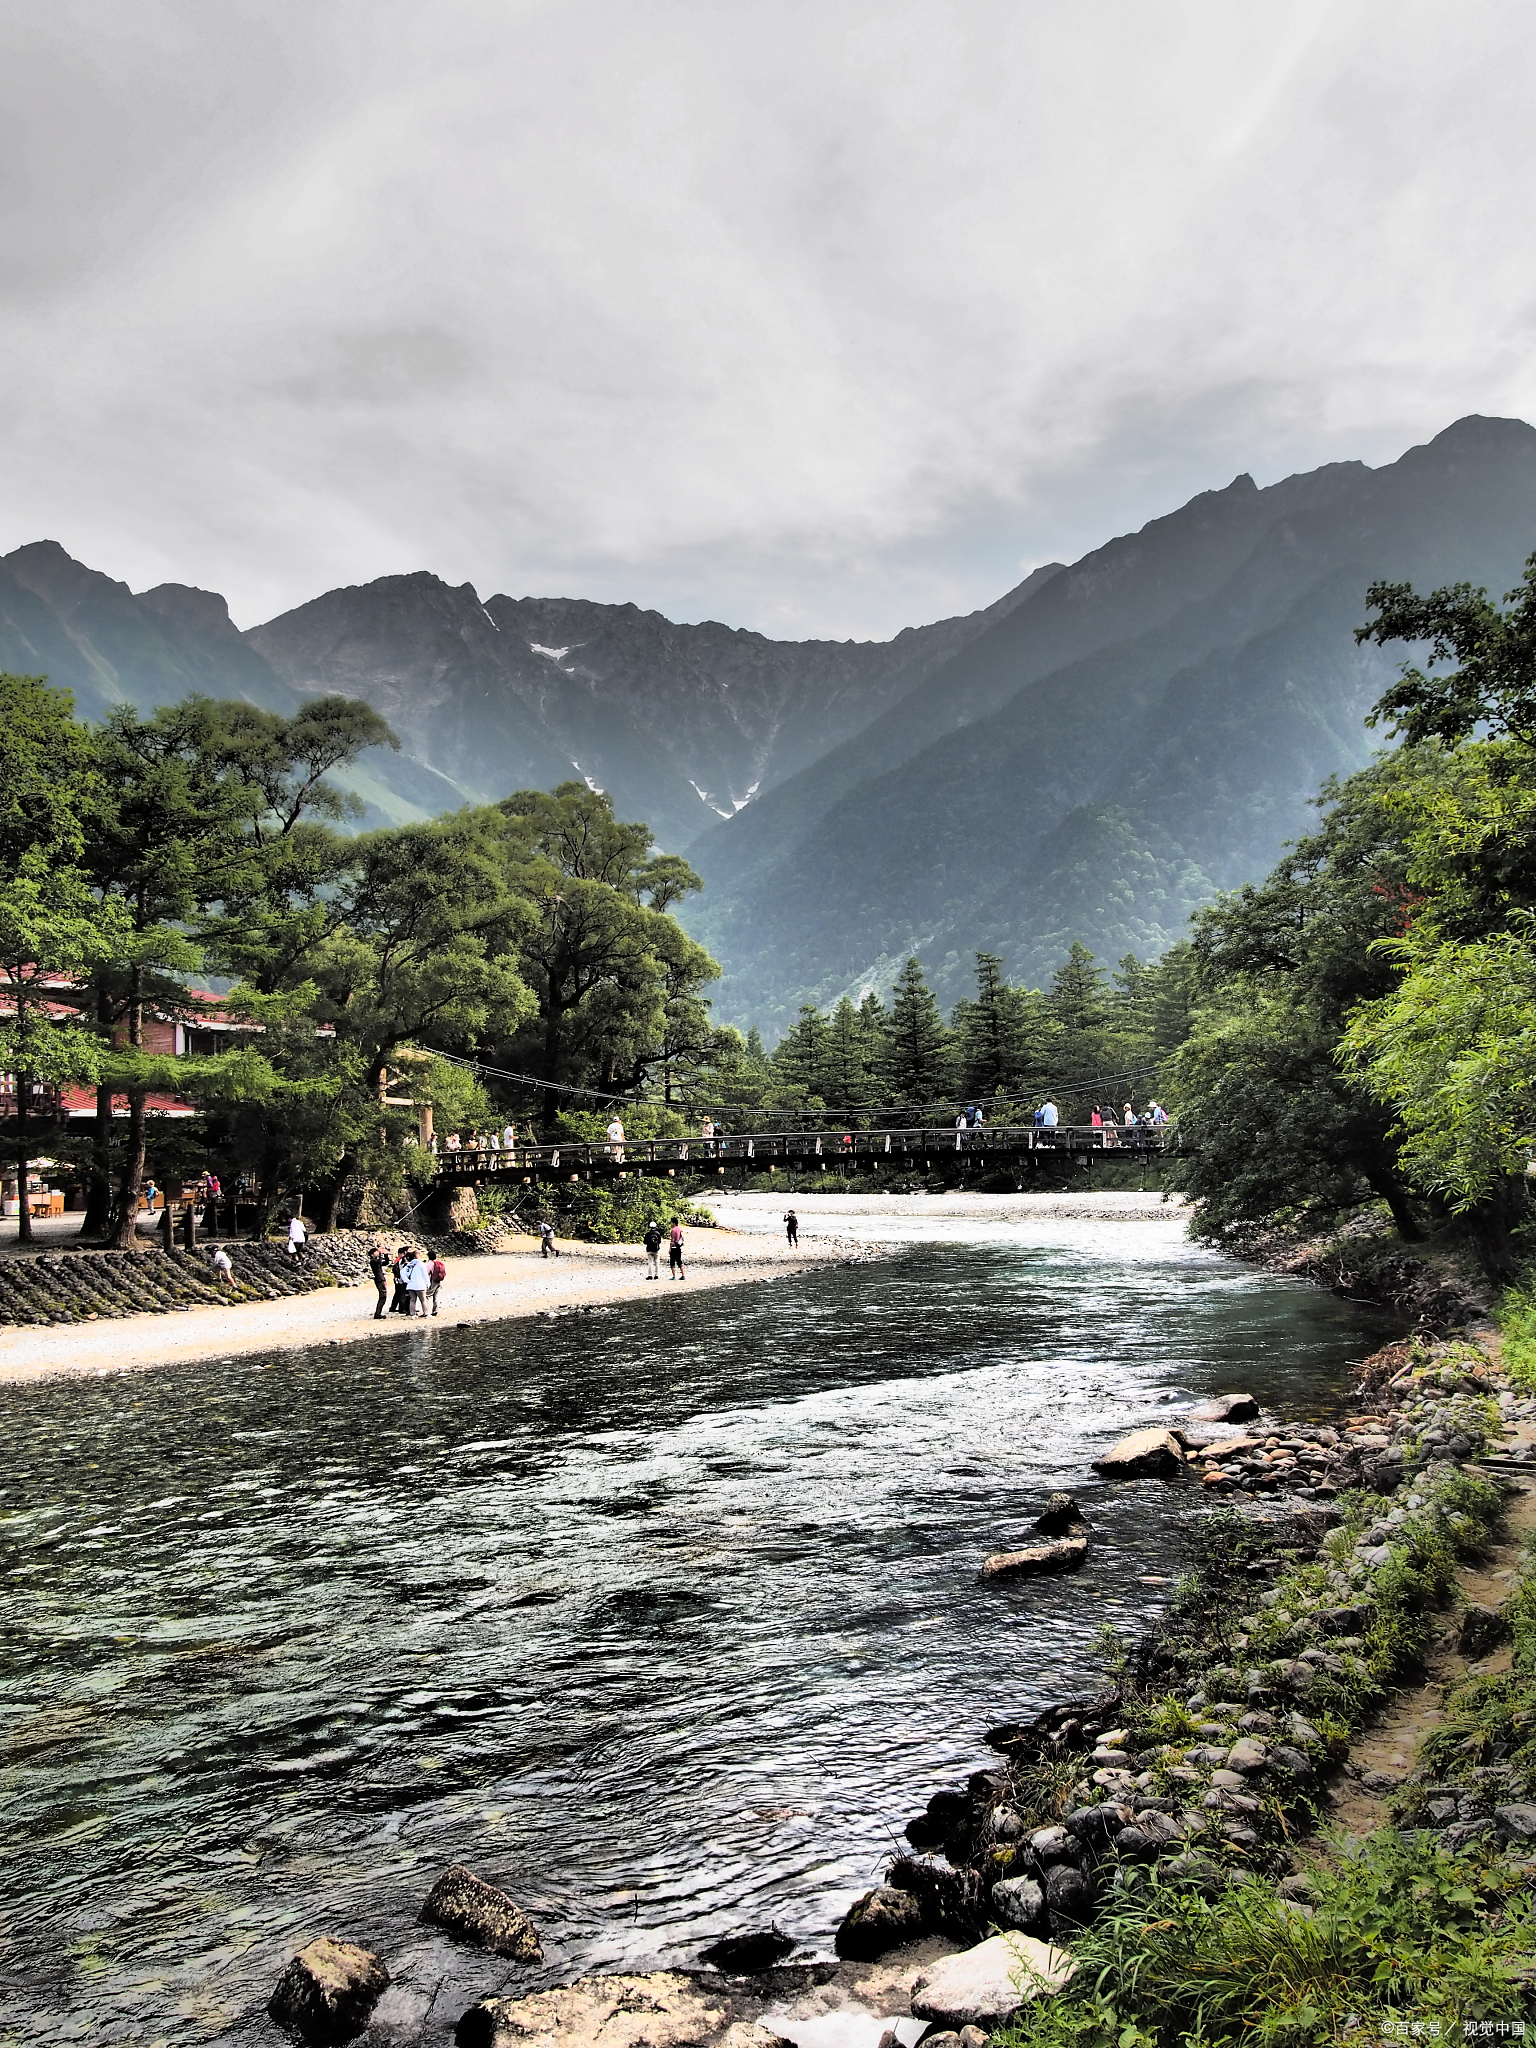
1092,756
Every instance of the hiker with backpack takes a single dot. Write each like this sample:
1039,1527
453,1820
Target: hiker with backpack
653,1236
437,1273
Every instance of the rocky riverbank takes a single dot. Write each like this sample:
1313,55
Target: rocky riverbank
1169,1825
1165,1858
1435,1285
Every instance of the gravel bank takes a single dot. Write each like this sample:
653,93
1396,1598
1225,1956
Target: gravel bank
485,1288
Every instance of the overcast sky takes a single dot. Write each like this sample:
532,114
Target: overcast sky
822,316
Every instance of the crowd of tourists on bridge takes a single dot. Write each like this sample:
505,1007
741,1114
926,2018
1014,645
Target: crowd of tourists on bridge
487,1145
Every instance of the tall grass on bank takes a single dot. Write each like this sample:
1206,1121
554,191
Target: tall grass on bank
1516,1318
1397,1928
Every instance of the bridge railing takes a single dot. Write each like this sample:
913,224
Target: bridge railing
766,1149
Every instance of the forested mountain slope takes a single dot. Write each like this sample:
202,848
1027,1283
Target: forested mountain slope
1146,729
92,635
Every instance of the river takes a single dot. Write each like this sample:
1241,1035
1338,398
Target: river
666,1616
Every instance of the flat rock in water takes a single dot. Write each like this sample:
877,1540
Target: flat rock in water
1227,1408
665,2010
1064,1555
463,1904
327,1992
883,1919
1146,1453
986,1985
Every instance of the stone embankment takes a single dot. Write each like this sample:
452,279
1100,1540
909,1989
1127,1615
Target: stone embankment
88,1286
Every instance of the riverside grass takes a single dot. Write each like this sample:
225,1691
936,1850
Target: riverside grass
1397,1930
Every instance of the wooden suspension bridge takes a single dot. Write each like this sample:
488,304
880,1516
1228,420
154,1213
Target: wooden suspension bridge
921,1150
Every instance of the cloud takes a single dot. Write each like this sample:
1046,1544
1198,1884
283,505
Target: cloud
820,317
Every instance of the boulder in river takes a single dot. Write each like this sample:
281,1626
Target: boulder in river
746,1955
883,1919
327,1992
463,1904
665,2010
1062,1517
1064,1555
1145,1454
1227,1408
986,1985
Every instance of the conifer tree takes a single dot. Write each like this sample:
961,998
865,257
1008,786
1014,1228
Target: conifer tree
851,1060
990,1032
918,1047
1079,996
800,1061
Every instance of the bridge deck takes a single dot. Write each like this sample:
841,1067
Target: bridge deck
762,1151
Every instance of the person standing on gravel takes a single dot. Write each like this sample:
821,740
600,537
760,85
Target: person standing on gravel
417,1281
378,1266
792,1228
653,1235
676,1268
437,1273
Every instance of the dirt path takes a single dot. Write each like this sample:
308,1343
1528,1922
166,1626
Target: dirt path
1387,1746
490,1288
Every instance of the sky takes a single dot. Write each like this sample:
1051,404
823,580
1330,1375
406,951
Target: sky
825,317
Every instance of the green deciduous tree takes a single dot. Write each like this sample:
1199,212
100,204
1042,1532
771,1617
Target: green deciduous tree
52,929
1452,1051
1492,683
1269,1124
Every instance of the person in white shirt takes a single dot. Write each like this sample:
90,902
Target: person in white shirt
616,1140
417,1281
296,1236
1050,1115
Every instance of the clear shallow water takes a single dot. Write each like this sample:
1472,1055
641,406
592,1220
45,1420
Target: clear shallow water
667,1617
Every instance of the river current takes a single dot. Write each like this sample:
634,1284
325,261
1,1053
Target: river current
666,1617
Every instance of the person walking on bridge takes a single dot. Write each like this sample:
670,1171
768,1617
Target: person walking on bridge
1050,1115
